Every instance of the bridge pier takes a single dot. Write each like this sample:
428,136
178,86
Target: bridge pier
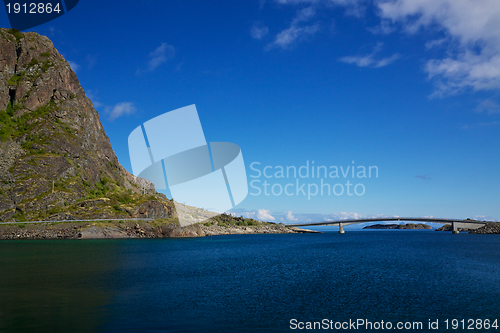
454,228
341,228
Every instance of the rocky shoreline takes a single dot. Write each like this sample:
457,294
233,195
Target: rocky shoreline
488,228
154,229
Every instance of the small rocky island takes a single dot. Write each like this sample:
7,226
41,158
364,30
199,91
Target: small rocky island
399,226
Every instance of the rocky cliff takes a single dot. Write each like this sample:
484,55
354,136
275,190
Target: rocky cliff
56,162
488,228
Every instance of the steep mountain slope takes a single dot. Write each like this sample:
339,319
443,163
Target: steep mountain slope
56,161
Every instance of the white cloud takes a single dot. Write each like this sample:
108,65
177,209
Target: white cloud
434,43
97,104
160,55
285,38
248,214
467,70
470,30
304,15
355,8
489,106
296,32
352,7
264,215
467,20
383,28
339,216
473,25
74,66
370,60
93,97
348,216
121,109
258,30
91,61
296,2
289,216
484,218
52,31
480,125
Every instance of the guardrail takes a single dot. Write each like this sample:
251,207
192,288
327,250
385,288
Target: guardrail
69,221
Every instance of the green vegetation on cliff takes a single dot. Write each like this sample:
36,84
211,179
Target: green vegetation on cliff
56,161
226,220
15,127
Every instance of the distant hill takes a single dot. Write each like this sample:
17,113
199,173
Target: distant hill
56,161
399,226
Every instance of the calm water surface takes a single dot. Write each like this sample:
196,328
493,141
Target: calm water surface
247,283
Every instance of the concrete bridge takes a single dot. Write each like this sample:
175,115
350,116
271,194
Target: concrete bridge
455,223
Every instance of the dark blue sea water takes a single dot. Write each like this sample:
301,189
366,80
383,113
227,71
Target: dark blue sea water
249,283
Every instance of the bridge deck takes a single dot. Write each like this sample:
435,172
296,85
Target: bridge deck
383,219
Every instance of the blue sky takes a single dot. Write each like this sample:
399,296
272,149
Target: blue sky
408,86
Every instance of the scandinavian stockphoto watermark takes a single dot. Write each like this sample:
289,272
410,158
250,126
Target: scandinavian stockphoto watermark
204,179
384,325
24,15
310,180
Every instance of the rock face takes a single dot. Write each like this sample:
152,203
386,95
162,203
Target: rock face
54,153
448,227
234,229
489,228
